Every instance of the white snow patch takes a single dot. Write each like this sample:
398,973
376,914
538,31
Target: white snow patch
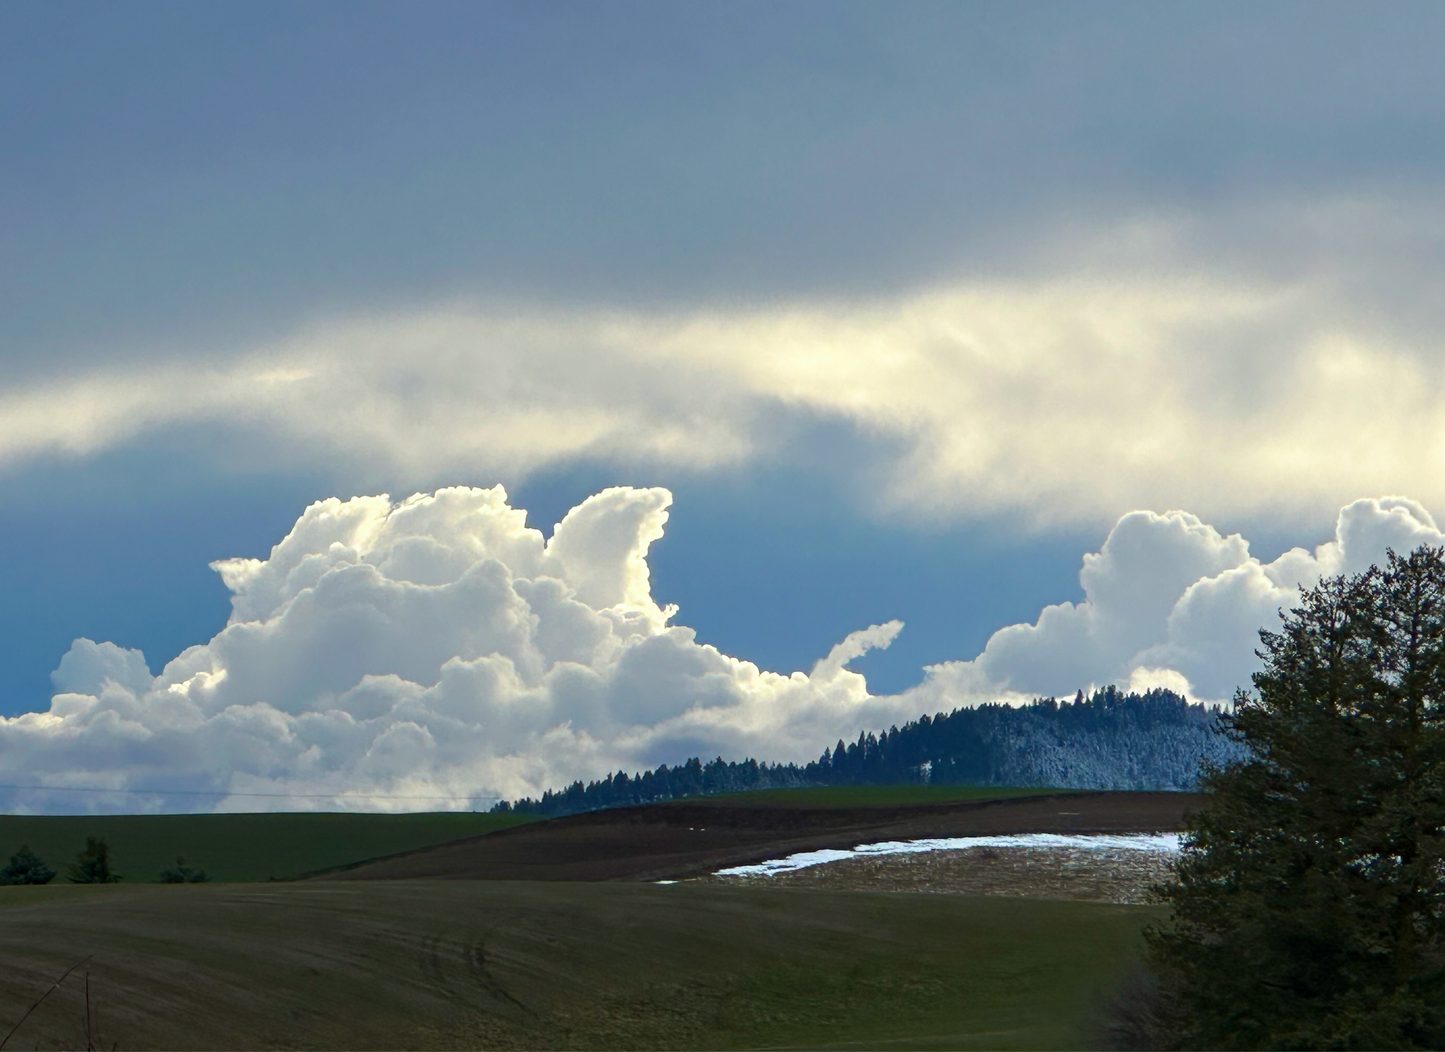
1165,842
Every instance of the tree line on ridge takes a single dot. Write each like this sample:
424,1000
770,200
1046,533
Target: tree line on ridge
1110,740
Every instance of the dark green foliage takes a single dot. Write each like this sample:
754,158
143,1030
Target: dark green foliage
181,873
92,866
26,868
1309,909
1111,740
693,778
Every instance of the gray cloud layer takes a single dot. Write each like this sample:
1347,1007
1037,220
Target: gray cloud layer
1060,399
176,176
1058,260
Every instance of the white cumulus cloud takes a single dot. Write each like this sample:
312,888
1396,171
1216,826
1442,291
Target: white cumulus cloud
440,652
438,646
1169,601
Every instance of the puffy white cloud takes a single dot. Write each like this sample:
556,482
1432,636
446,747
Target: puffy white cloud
1170,602
388,655
88,666
435,646
855,645
1130,587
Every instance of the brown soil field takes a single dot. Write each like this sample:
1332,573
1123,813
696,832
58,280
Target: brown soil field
679,841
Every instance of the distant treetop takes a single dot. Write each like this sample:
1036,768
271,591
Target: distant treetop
1107,740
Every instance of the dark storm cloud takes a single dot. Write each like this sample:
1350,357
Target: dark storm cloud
182,177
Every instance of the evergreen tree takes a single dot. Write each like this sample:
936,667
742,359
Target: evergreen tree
1154,740
26,868
92,866
1309,905
182,873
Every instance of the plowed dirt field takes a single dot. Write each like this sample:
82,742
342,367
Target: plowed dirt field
679,841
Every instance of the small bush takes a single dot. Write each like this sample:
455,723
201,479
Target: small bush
1141,1015
181,873
26,868
92,866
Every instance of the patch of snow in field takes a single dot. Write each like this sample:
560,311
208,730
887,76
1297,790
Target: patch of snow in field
1165,842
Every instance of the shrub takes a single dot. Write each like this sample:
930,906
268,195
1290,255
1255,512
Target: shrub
26,868
92,866
181,873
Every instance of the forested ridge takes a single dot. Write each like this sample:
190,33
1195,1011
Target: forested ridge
1112,740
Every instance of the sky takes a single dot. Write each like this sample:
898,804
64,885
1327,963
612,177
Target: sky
1073,338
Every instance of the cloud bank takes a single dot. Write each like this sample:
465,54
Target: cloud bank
438,652
1171,602
1141,368
388,653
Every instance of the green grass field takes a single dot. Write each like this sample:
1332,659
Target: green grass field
459,964
868,795
240,847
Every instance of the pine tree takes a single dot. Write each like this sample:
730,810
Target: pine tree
92,866
1309,905
182,873
25,867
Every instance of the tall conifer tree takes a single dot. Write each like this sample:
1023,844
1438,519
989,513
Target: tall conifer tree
1309,906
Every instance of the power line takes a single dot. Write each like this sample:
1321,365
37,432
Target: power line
268,796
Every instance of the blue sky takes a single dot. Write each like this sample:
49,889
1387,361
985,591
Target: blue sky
908,306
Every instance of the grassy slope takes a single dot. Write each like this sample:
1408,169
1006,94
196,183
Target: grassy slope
225,846
528,965
869,795
238,847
